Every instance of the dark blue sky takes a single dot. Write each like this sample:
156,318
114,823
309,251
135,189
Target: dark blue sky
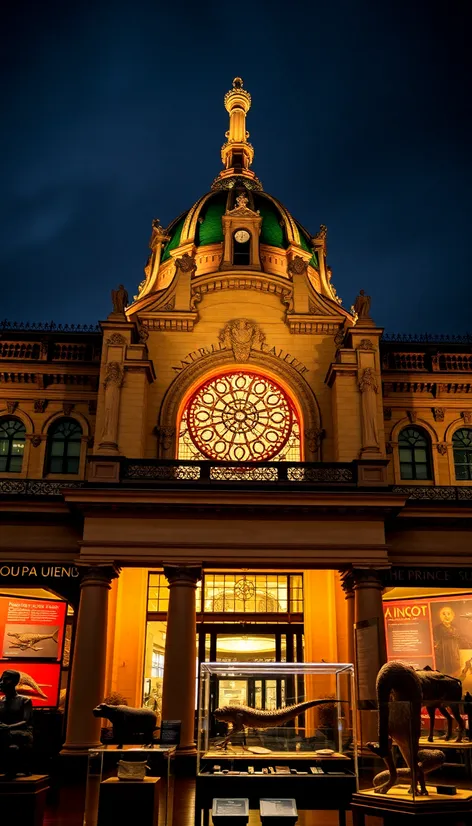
113,114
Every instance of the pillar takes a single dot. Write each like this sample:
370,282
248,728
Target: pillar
178,691
371,648
87,684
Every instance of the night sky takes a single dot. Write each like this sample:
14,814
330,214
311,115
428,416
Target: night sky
113,114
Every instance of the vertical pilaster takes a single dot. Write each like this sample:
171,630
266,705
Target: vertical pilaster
178,692
87,682
371,648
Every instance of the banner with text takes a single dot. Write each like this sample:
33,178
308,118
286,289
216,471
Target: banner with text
434,631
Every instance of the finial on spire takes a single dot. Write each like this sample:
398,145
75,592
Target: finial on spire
237,153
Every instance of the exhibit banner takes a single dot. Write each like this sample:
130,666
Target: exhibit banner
432,631
38,681
31,628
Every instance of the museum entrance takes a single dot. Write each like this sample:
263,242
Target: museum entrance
241,617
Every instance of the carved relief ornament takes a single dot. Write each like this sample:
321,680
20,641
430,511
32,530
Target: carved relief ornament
11,406
467,416
241,335
368,381
438,413
116,338
297,266
442,448
114,374
186,263
314,438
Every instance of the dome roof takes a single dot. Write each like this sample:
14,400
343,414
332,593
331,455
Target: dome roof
203,225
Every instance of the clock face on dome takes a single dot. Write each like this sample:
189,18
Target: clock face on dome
241,236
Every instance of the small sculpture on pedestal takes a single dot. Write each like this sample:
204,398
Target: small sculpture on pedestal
16,728
120,300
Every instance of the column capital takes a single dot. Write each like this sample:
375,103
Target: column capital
178,574
100,576
367,578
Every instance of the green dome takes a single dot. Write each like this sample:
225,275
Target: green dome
209,227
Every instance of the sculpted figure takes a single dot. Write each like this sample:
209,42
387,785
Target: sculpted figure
362,305
128,723
119,299
401,691
242,717
16,727
439,692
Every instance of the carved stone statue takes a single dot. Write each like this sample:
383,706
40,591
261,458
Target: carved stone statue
370,431
362,305
16,728
114,376
119,299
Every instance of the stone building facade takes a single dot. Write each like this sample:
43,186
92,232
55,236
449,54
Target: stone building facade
234,420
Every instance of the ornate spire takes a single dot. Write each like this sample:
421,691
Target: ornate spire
237,153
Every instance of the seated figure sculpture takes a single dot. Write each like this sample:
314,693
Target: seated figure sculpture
16,728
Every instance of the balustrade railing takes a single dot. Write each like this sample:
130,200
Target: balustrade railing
206,472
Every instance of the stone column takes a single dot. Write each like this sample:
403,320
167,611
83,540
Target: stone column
178,691
87,683
371,651
113,381
348,588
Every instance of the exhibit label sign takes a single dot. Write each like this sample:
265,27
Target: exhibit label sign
432,631
31,642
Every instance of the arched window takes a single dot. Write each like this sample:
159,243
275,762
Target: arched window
415,454
242,247
64,443
12,445
240,417
462,449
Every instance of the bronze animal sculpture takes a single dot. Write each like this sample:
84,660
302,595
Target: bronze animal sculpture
441,692
428,759
28,641
242,717
401,720
130,725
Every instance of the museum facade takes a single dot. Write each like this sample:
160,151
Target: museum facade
233,467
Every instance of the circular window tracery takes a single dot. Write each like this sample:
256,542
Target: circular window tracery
240,417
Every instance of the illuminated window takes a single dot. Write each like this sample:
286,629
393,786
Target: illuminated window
415,455
64,443
240,417
252,593
157,664
462,449
235,593
12,445
158,593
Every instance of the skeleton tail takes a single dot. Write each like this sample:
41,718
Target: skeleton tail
55,636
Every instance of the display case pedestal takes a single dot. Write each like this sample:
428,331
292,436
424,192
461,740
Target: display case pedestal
122,800
423,811
23,800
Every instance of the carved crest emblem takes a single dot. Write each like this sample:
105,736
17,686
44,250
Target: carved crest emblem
186,263
241,336
297,265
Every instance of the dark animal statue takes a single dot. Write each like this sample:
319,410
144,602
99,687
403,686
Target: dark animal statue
400,722
442,692
130,725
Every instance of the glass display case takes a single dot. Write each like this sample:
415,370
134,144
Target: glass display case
102,770
268,730
409,766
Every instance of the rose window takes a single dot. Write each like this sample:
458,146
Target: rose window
238,417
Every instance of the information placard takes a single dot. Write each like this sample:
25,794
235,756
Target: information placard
278,807
31,628
230,807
